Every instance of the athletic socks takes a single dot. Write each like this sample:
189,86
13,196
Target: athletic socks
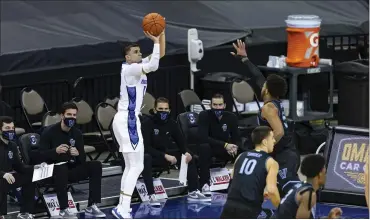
124,203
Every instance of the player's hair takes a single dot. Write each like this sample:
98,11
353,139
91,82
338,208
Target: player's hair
5,119
160,100
276,86
312,165
218,96
68,105
127,48
260,133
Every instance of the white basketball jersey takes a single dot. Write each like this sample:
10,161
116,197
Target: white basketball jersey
133,88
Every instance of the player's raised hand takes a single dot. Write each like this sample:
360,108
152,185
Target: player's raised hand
240,49
153,38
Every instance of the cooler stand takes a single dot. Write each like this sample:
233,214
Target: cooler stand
292,73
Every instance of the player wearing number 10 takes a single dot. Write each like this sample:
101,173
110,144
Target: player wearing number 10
126,124
254,176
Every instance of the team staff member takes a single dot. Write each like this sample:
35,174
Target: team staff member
272,115
300,201
219,129
159,133
254,173
13,172
63,143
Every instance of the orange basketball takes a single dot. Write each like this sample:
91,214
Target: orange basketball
154,23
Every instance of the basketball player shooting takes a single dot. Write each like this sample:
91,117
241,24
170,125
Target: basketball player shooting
126,123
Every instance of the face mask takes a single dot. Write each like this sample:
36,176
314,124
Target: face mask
162,115
69,122
8,135
218,112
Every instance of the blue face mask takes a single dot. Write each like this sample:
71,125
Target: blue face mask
9,135
69,122
162,115
218,112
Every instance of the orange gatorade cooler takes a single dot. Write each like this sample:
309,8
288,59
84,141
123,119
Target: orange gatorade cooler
303,40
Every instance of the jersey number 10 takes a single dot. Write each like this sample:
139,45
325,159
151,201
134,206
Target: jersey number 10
248,166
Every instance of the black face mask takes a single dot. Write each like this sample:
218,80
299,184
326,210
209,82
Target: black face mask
69,122
8,135
162,115
218,112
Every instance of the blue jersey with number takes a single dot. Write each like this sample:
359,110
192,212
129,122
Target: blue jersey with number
289,205
249,179
286,140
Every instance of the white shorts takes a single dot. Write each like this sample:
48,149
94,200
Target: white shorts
129,139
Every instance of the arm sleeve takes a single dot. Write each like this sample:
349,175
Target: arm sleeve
147,128
146,60
18,164
178,137
45,149
80,145
253,76
204,131
136,69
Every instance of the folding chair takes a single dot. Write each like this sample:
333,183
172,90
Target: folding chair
188,98
104,114
32,105
148,103
243,93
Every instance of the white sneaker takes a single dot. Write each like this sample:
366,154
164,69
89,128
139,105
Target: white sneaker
67,214
120,215
94,211
198,196
153,201
206,190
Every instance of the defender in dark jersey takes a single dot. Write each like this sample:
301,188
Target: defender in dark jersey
300,201
254,176
272,115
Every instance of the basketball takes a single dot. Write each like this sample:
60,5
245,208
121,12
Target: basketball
154,23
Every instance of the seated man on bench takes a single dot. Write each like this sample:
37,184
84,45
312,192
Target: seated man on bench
13,172
63,145
219,129
159,133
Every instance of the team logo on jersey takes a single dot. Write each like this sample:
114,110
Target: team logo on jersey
33,139
191,118
144,81
72,142
282,173
156,131
224,127
10,155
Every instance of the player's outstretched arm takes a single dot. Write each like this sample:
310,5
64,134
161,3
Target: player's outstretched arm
162,51
162,43
304,209
271,181
136,69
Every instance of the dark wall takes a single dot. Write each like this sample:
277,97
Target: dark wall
101,79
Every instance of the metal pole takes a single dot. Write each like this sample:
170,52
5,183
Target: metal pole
191,80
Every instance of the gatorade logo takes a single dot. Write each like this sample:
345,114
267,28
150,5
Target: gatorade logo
314,40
